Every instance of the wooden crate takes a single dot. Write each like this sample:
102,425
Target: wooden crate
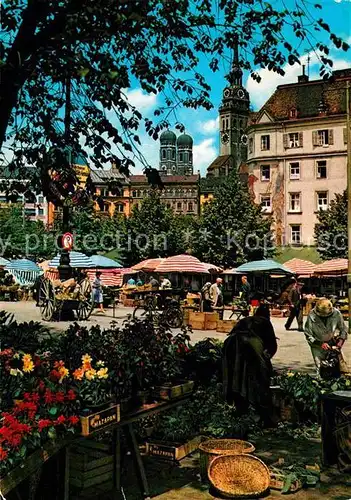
99,420
226,325
90,464
211,320
128,303
166,392
172,451
197,320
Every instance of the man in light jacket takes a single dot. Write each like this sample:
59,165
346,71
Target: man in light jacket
322,325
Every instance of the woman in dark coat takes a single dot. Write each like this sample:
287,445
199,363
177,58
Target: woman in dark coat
247,366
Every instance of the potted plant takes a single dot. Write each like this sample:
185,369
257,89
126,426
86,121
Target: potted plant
93,383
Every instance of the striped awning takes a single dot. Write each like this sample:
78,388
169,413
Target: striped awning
25,278
148,265
23,265
212,268
101,261
303,268
334,267
182,264
109,277
77,259
264,266
4,262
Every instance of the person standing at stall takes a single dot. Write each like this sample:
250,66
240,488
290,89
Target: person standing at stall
216,296
325,330
245,290
97,292
296,306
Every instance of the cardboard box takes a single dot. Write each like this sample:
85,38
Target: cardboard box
172,451
197,320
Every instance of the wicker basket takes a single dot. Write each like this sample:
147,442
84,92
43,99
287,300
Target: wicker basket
239,476
213,448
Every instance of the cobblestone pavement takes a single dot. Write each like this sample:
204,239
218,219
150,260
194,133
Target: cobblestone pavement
293,351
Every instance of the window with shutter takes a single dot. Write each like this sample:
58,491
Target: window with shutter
330,136
285,141
315,138
300,139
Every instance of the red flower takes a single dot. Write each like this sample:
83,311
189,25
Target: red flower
60,397
41,386
73,419
35,397
3,454
49,397
54,375
71,395
37,360
43,423
61,420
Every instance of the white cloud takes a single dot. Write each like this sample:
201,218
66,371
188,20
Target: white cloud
260,92
141,100
210,126
204,154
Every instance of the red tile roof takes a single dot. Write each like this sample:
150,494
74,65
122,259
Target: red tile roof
166,179
305,98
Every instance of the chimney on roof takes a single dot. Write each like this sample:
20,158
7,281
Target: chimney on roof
303,78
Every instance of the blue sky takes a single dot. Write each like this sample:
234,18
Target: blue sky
203,125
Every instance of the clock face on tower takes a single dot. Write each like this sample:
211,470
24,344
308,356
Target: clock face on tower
225,138
226,93
241,94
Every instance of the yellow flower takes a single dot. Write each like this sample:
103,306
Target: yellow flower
348,383
63,372
102,373
28,365
290,374
100,363
15,371
90,374
86,359
78,374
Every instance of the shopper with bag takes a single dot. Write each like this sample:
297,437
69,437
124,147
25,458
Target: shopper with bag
326,332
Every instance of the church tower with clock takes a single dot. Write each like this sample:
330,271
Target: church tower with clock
233,115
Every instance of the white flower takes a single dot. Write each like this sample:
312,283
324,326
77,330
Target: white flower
100,363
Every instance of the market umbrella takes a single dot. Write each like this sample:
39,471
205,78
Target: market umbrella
334,267
104,262
4,262
77,260
22,265
303,268
182,264
212,268
263,266
24,271
148,265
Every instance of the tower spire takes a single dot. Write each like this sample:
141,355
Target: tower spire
235,76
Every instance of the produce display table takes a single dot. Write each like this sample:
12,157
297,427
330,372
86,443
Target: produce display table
32,465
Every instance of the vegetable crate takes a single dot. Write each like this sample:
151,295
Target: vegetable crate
167,392
225,325
197,320
211,320
172,451
90,464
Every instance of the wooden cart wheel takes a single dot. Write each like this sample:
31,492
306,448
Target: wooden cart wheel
86,304
173,317
47,300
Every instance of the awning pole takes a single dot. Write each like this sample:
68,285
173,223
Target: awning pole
348,133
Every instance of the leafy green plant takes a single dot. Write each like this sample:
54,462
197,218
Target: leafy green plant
29,337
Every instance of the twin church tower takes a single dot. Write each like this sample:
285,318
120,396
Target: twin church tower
176,154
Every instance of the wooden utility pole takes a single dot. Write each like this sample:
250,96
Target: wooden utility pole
348,135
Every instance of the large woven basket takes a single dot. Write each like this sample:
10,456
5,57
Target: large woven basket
239,476
213,448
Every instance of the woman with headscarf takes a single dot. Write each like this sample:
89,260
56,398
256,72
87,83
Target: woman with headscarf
247,366
325,329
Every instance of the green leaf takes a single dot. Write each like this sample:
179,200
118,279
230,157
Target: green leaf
53,411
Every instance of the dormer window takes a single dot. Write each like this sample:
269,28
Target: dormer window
293,113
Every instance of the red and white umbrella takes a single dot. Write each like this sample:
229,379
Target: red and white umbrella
303,268
110,277
334,267
148,265
212,268
182,264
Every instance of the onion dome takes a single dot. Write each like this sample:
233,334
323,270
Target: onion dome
185,140
168,136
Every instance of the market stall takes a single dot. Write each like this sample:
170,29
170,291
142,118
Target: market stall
23,273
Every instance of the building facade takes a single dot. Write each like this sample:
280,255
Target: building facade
297,154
